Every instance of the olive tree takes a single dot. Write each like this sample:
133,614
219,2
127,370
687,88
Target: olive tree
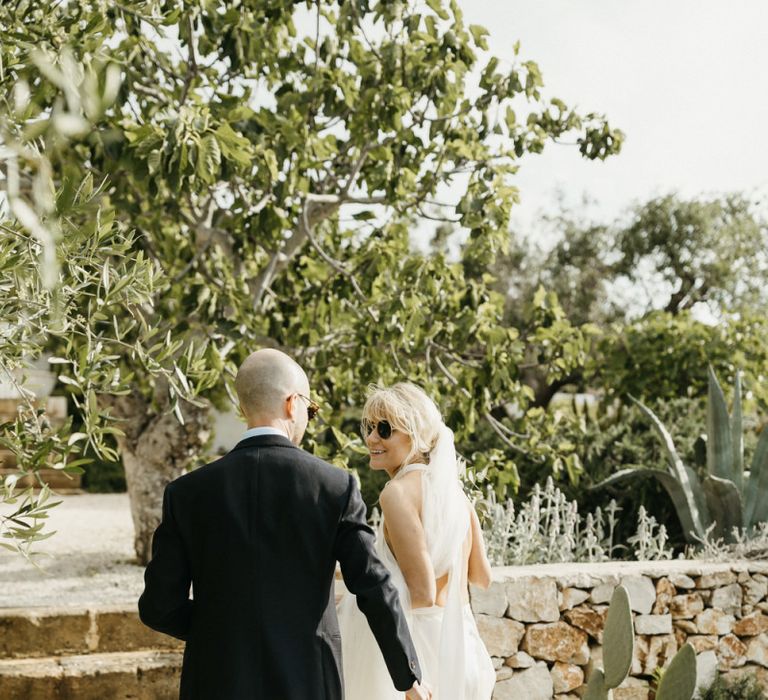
273,161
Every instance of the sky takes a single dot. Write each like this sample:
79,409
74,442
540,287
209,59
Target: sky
685,80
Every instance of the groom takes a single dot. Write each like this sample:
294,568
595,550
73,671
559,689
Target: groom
257,534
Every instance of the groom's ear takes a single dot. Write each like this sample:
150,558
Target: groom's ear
290,406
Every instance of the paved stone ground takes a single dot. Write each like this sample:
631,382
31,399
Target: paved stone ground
89,561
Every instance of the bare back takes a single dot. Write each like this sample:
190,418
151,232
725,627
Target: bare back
401,502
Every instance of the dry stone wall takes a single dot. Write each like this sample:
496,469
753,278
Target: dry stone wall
543,625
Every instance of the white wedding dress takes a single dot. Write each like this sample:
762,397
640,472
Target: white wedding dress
454,660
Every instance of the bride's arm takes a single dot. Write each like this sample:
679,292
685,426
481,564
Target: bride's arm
479,570
405,534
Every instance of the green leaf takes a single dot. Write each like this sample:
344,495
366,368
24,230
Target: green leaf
724,503
737,435
478,34
756,501
437,7
209,159
719,446
685,505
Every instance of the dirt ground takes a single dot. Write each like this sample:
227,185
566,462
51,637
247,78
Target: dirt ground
89,561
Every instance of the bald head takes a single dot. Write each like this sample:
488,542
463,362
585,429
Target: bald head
265,380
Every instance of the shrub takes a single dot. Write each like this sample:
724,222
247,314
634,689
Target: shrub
745,687
548,528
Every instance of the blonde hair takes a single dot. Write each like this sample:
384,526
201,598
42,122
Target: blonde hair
407,408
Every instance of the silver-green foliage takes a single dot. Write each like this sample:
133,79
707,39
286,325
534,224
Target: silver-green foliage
742,544
72,285
548,528
724,497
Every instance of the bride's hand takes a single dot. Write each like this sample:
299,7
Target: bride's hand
419,692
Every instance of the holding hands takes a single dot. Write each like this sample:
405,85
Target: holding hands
419,692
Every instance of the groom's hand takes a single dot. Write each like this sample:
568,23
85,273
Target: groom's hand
419,692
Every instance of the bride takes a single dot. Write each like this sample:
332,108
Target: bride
429,538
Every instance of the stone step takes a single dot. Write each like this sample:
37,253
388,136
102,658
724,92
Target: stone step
7,460
134,675
45,632
57,480
55,409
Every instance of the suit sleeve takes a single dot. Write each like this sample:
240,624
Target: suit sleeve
377,597
165,605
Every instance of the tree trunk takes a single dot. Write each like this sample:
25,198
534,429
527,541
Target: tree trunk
156,449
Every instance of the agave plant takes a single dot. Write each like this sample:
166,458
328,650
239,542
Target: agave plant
725,498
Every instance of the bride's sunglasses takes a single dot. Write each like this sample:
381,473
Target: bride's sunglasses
383,428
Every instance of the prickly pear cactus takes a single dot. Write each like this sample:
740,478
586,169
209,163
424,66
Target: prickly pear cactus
679,679
596,689
618,639
618,648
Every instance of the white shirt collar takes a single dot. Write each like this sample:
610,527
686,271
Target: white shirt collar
263,430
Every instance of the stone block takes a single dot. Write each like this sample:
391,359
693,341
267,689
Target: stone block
503,673
682,581
602,593
492,601
653,624
751,625
591,620
557,641
533,683
703,642
706,669
712,621
716,579
660,650
566,677
686,606
642,593
533,600
520,660
632,689
728,599
500,635
757,650
755,590
687,626
571,597
731,652
665,591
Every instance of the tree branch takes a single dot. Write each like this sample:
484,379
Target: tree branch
191,61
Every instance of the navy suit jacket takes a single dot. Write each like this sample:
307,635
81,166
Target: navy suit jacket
257,535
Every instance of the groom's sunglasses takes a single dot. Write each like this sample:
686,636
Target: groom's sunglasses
383,428
312,408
